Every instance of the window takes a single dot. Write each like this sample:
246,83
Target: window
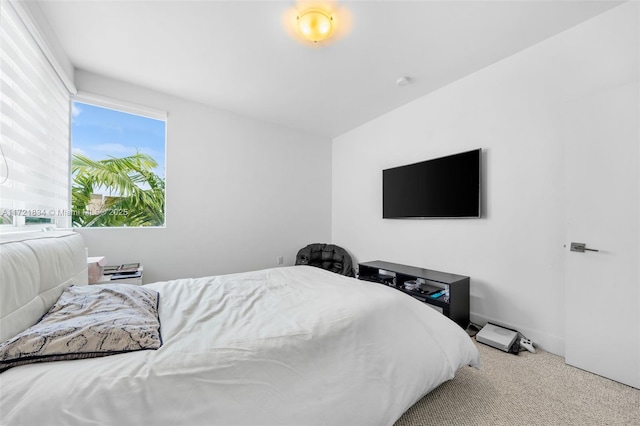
117,164
34,126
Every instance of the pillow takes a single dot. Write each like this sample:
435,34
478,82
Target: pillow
86,322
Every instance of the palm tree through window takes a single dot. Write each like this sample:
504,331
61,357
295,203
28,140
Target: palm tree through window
117,168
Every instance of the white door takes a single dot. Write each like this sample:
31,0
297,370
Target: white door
602,297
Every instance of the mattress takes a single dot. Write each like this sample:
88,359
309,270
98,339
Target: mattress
284,346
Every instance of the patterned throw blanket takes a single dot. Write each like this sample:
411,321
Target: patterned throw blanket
89,321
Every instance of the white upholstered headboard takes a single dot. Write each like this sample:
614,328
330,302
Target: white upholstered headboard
34,269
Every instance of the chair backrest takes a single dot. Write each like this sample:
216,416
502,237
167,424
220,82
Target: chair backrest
326,256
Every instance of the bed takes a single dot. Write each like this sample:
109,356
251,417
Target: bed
285,346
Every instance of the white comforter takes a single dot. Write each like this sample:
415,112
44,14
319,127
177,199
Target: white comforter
286,346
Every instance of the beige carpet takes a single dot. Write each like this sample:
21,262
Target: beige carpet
527,389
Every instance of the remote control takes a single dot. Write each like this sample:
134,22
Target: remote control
528,345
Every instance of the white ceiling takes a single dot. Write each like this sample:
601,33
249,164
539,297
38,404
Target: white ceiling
241,56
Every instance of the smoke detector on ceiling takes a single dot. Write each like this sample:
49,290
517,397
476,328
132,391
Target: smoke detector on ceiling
403,81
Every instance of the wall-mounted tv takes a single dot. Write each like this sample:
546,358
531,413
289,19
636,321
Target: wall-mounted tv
445,187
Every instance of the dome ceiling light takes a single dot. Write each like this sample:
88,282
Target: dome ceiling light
315,24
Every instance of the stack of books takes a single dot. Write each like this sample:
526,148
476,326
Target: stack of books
127,270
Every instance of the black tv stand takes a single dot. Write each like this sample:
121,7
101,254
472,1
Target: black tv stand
453,303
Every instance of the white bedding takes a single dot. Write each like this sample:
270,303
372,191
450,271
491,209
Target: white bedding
286,346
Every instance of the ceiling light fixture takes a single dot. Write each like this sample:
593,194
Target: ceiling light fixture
315,24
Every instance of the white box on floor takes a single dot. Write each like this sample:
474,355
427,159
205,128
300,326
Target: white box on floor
496,336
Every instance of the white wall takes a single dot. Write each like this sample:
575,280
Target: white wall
515,254
240,192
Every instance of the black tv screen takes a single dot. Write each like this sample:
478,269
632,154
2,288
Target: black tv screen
445,187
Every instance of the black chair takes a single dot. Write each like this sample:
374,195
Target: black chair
326,256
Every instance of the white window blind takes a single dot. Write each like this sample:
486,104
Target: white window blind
34,126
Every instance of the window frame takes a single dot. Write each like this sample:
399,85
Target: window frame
119,105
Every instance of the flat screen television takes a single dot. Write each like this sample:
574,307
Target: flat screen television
445,187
